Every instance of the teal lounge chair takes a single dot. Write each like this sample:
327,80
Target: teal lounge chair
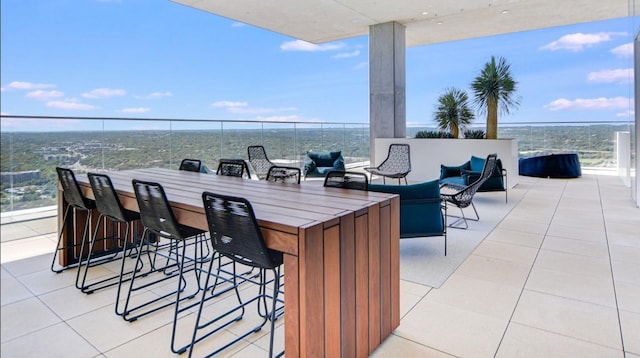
422,212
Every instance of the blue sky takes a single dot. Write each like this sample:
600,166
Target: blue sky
159,59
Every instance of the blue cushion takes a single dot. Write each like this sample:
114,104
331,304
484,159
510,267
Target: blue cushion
309,165
324,159
460,181
318,164
420,213
453,171
324,170
477,163
470,172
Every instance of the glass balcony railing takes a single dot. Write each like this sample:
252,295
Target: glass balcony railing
595,142
33,146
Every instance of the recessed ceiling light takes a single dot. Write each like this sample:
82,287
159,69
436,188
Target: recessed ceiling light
439,23
425,13
505,12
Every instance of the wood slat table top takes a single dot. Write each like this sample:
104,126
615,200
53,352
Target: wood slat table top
288,207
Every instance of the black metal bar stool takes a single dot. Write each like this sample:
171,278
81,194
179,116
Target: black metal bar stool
76,202
111,211
235,234
159,221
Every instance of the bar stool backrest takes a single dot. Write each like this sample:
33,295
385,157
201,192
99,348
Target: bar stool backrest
107,199
191,165
71,190
284,174
235,232
346,180
155,210
231,167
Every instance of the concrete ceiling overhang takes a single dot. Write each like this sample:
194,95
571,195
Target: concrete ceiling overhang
426,21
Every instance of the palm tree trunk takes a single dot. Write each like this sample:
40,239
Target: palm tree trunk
492,119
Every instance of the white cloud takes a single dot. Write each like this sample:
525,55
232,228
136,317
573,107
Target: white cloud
44,95
243,108
70,104
19,85
620,75
347,54
135,110
299,45
229,104
589,103
625,50
578,41
238,24
626,114
104,93
156,95
289,118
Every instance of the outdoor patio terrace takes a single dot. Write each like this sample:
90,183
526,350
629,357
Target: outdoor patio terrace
557,274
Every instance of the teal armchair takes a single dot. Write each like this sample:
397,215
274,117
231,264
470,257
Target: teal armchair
422,212
318,164
469,171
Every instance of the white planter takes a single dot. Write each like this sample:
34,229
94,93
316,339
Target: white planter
427,154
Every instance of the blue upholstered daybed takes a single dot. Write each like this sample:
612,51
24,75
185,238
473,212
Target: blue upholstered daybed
551,166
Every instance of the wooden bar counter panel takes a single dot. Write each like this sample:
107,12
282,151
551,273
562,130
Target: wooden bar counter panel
341,262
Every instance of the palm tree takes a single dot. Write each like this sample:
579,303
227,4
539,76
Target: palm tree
453,111
494,89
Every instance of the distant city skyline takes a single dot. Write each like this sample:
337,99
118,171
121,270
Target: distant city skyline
159,59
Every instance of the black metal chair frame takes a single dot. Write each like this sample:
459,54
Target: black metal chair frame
259,161
284,174
159,221
232,167
235,234
397,165
195,165
346,180
190,165
75,202
462,196
111,210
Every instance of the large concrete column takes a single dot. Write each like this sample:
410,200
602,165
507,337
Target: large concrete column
387,110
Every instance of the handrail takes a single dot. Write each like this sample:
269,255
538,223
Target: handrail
176,120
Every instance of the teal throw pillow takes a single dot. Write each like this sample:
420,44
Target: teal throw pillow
477,164
324,159
453,171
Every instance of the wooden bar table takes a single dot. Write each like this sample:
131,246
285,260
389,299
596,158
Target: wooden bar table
341,262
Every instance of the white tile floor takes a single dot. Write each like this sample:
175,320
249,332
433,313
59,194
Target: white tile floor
558,277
